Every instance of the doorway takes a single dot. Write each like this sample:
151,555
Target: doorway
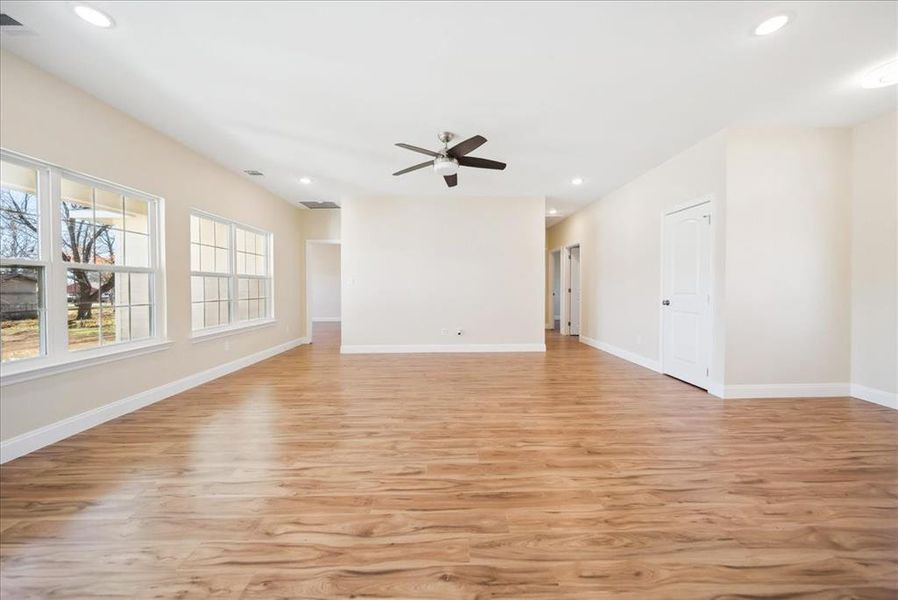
686,294
556,289
323,286
574,292
570,287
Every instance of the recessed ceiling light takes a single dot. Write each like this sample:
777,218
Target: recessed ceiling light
882,76
93,16
552,211
577,180
772,25
305,180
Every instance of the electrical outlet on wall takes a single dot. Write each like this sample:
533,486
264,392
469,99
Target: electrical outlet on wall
227,345
444,331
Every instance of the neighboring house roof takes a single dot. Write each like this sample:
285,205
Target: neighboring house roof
17,275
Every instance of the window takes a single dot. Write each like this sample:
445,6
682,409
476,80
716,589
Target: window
22,270
230,273
78,265
105,237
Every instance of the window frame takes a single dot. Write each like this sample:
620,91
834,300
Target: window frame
43,261
233,326
56,355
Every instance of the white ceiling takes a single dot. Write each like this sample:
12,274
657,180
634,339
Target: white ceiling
601,90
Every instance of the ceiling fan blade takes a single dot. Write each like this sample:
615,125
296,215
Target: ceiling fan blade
469,145
451,180
428,163
421,150
480,163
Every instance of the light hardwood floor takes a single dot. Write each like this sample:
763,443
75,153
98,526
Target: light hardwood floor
572,474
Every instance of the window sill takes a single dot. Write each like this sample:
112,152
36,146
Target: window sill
13,374
213,334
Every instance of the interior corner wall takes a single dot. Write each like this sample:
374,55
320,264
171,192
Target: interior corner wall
414,267
44,117
788,268
874,258
620,252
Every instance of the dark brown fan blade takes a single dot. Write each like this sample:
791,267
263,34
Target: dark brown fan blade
480,163
469,145
421,150
414,168
451,180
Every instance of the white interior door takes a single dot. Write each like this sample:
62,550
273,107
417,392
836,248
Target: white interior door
686,303
564,325
575,291
556,287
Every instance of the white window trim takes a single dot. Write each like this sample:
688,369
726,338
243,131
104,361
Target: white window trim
212,333
234,327
56,356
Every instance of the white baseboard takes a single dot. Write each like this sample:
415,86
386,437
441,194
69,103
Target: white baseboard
642,361
50,434
325,319
812,390
431,348
715,388
862,392
786,390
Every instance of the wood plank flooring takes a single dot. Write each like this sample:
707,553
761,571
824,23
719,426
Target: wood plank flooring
572,474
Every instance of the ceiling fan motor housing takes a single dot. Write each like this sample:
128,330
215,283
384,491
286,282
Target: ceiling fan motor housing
445,165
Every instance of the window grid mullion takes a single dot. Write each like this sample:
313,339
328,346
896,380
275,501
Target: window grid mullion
22,262
93,202
45,249
57,310
232,274
214,274
106,268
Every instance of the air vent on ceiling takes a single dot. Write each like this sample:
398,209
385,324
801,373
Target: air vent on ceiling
254,173
8,25
314,205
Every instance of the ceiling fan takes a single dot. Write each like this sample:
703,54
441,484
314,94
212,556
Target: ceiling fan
447,161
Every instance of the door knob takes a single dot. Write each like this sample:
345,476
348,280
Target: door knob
665,302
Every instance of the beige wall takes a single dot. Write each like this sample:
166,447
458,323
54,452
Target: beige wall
42,116
874,255
321,224
415,266
620,249
324,281
788,271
